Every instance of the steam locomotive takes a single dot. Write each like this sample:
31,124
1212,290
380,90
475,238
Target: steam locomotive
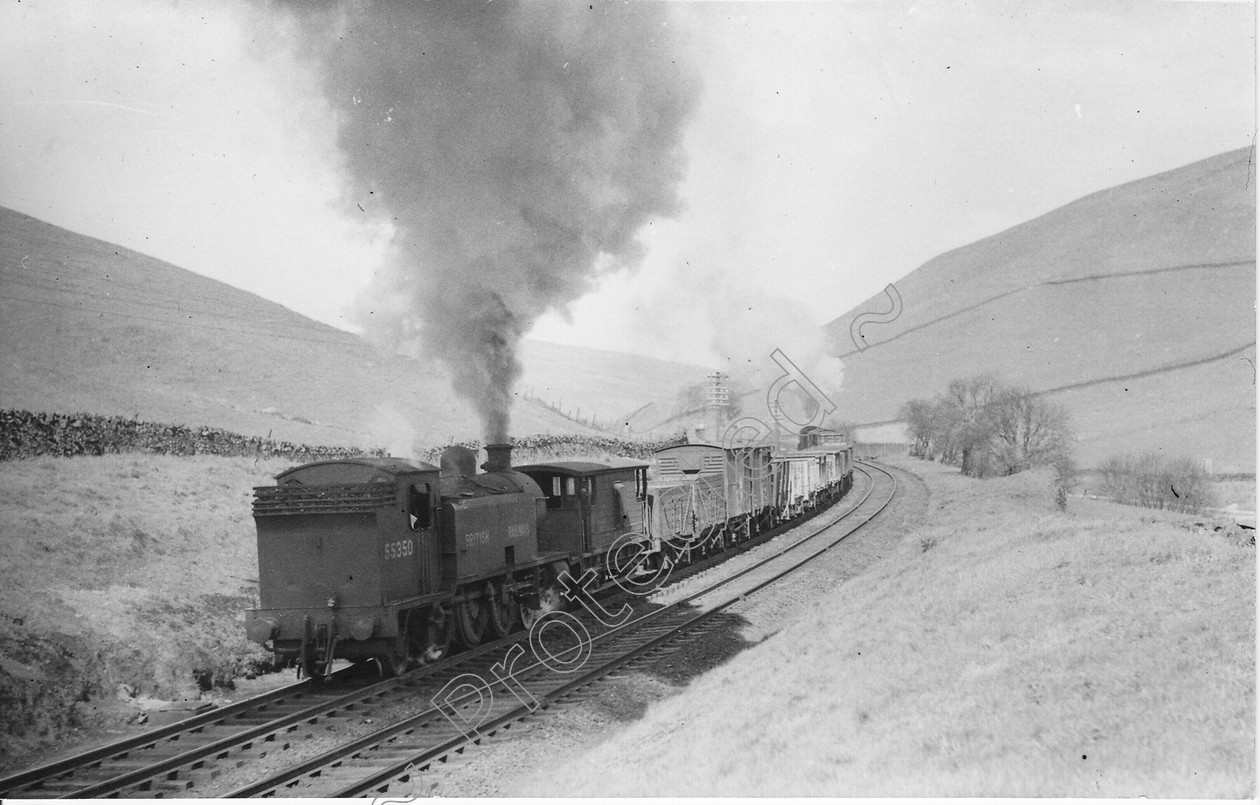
394,561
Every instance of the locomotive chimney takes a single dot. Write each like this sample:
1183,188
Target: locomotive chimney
498,458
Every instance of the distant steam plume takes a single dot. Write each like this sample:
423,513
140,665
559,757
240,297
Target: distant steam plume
517,148
750,324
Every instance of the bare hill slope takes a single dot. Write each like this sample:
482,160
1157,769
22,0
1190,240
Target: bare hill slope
92,327
1134,306
616,387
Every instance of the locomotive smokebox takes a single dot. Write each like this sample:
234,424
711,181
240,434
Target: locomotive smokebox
498,458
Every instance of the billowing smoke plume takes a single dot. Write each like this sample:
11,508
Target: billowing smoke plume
517,149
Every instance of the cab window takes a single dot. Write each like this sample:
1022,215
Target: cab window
554,493
418,507
561,492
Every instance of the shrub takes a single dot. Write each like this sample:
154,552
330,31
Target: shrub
1156,482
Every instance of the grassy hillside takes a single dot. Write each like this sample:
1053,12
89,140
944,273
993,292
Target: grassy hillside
1148,285
610,385
92,327
120,570
1200,411
1002,649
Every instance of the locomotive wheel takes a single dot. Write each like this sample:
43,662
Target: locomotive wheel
471,615
398,662
623,559
437,639
548,601
405,655
502,616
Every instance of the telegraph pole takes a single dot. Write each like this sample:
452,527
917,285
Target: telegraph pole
718,401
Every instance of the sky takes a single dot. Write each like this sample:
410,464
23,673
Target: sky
833,148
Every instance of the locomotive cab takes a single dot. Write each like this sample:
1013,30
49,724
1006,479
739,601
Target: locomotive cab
588,504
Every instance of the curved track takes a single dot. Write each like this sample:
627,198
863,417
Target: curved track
173,760
525,687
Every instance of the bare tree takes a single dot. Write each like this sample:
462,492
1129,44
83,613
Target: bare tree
973,396
987,427
947,420
919,418
1026,430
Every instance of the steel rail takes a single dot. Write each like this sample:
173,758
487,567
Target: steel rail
50,779
287,777
195,756
147,740
413,760
375,781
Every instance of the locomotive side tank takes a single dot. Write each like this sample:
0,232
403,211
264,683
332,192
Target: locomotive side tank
488,521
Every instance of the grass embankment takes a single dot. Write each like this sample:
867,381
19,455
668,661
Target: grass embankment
124,570
121,570
1004,649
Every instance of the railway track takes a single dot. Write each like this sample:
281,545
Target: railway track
175,760
493,706
100,770
172,760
